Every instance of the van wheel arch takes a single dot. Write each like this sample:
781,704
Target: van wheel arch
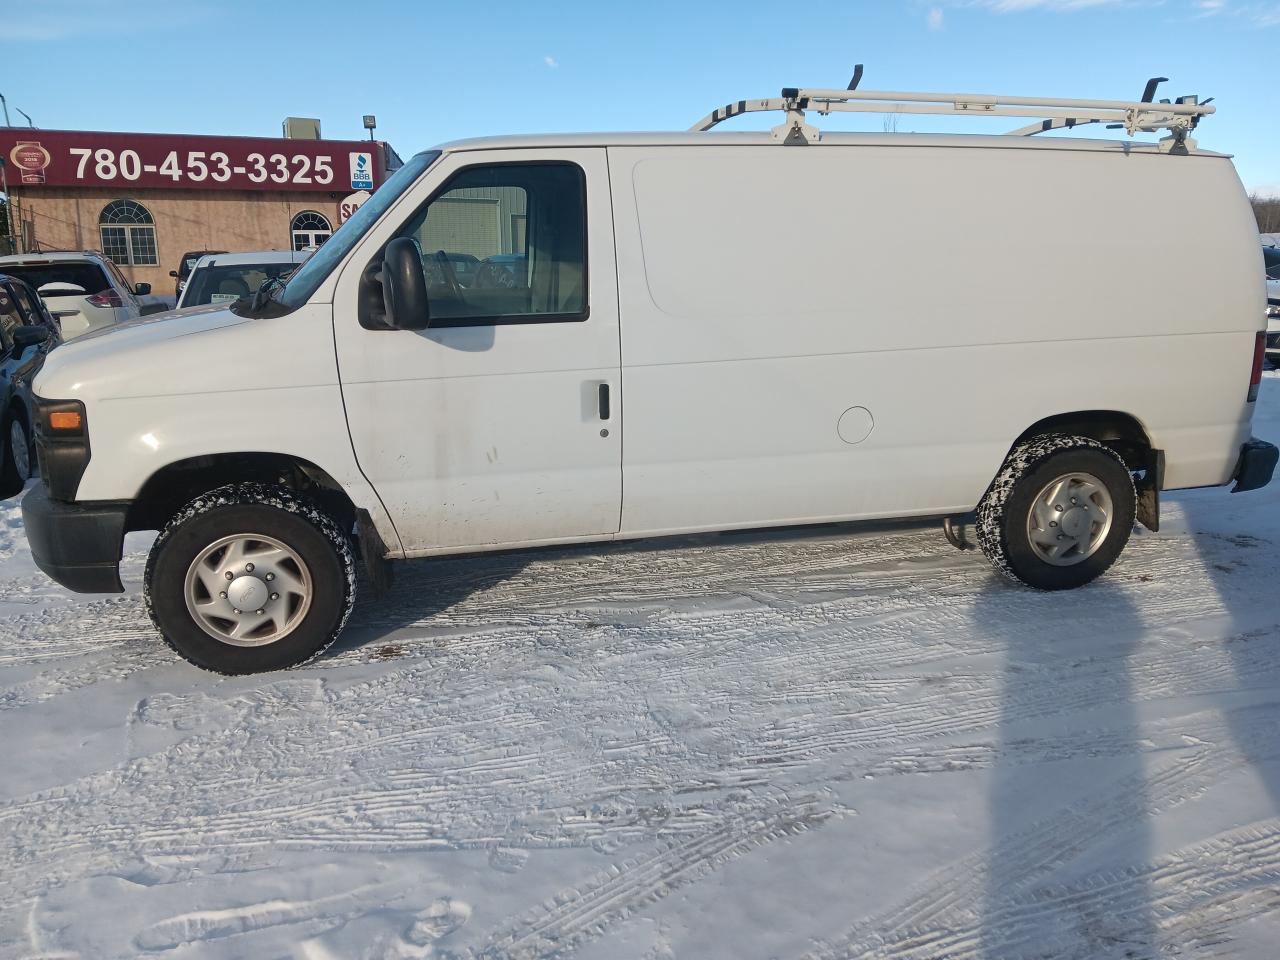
1122,432
173,486
1127,436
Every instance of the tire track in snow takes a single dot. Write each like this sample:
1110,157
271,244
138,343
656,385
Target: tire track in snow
385,789
573,917
1193,896
914,928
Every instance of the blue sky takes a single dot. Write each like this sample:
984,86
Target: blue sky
438,71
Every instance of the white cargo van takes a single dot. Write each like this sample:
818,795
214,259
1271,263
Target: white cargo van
665,333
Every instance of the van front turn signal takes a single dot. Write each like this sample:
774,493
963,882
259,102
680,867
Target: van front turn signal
66,420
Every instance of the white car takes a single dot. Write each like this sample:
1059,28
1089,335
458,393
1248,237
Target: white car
83,289
676,333
1271,256
226,277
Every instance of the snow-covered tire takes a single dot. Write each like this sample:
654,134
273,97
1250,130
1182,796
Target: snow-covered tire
1005,513
249,510
13,477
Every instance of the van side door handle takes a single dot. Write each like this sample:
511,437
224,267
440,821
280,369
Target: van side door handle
604,401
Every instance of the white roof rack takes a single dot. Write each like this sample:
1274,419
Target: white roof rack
1178,118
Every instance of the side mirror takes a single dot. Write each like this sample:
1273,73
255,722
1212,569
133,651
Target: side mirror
174,274
31,336
142,289
404,286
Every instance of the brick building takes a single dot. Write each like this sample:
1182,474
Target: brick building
145,199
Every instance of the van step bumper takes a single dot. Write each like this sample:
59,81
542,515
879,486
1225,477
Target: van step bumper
1257,464
77,544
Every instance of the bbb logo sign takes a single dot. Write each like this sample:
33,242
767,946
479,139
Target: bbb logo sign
361,171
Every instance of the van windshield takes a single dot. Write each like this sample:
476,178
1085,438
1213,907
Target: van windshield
311,274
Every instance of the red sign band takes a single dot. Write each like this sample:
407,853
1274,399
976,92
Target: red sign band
66,158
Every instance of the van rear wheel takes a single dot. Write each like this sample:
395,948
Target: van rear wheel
248,578
1059,512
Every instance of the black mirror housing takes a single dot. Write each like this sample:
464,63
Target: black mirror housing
174,274
30,336
404,286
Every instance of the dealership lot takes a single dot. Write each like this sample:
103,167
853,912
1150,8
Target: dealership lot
848,744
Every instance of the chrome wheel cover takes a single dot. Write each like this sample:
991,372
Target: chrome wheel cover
248,590
1069,519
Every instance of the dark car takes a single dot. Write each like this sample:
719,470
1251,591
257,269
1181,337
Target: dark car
27,333
185,266
1271,259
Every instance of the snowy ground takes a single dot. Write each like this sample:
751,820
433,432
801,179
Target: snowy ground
843,744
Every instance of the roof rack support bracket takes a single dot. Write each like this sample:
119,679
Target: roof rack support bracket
794,132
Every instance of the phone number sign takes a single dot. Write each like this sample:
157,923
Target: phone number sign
65,158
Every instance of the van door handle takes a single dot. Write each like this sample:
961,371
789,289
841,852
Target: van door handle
604,401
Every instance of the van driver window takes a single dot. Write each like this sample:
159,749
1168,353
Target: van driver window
505,243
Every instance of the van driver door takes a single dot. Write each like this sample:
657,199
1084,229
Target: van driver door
499,424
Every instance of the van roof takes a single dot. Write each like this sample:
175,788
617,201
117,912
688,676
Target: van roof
829,138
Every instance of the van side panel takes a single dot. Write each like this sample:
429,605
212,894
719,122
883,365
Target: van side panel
955,294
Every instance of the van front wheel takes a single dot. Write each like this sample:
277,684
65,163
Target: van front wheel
1058,513
250,577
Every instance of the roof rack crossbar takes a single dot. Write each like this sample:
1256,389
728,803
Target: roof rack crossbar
1052,113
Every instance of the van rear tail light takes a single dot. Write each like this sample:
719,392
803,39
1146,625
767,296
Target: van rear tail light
1255,379
108,298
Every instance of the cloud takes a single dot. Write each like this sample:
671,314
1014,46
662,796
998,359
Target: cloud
1263,14
934,18
1259,13
551,62
1017,6
53,20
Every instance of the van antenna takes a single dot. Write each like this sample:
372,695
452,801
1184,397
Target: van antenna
857,76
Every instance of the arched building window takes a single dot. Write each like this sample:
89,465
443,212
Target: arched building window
128,233
310,229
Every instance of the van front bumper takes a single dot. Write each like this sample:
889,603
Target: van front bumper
77,544
1256,465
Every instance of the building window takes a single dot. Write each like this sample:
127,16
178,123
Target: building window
310,229
128,233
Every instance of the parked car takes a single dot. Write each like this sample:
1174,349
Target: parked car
1271,257
84,290
754,319
27,333
185,266
462,265
225,277
503,270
